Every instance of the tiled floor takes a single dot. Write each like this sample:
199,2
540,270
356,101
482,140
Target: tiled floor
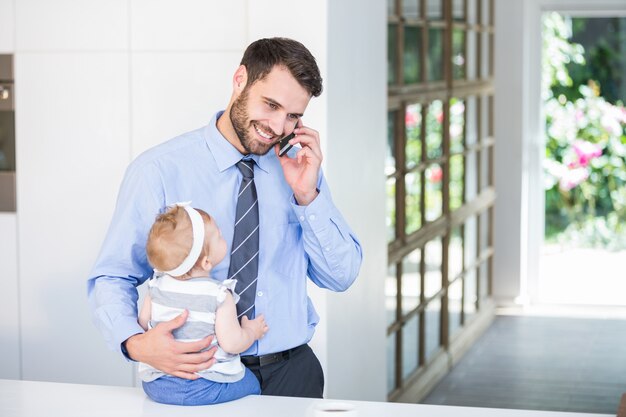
541,363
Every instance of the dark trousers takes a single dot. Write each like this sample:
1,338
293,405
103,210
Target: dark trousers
299,375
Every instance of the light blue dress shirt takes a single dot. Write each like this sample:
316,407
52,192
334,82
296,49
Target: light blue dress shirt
295,241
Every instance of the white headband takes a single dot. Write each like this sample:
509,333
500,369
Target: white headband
197,230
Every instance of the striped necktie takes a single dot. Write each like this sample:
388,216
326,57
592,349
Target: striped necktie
244,256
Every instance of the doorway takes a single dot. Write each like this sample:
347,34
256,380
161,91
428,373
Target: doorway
584,163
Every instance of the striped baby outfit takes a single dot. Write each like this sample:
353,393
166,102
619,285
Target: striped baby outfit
201,296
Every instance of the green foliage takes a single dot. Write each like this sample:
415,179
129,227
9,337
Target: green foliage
606,232
585,160
557,53
604,41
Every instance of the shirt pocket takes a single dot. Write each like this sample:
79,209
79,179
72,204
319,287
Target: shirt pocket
289,259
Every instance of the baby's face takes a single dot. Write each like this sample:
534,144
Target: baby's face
216,243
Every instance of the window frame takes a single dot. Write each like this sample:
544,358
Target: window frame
425,92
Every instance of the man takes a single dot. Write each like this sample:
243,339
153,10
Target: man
298,233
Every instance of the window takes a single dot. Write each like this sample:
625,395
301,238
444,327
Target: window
439,169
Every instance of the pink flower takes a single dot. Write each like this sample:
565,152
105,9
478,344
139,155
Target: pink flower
579,115
572,178
409,119
586,151
412,116
435,174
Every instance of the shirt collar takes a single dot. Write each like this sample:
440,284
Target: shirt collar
226,155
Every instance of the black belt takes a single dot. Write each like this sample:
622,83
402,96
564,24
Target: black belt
269,358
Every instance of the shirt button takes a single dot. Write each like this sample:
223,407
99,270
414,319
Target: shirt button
260,293
301,218
327,248
312,217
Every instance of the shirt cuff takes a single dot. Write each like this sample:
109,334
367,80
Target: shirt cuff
123,335
315,216
125,352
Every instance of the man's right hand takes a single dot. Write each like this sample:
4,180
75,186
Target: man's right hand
158,348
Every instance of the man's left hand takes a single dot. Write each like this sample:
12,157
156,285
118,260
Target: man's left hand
301,172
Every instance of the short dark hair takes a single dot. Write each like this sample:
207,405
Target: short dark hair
262,55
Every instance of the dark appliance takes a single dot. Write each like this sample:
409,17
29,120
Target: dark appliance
7,135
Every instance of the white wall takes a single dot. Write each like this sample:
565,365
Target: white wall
183,55
99,82
72,127
509,149
7,26
355,159
9,305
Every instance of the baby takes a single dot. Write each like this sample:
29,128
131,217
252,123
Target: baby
183,246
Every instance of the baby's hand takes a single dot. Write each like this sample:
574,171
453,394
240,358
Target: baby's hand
258,327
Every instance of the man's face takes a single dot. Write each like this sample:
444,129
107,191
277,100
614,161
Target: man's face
267,110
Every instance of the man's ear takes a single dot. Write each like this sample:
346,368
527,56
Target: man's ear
240,79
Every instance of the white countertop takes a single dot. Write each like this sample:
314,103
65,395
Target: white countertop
38,399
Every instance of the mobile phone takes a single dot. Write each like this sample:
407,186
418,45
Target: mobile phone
283,144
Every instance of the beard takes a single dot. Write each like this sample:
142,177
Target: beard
241,124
